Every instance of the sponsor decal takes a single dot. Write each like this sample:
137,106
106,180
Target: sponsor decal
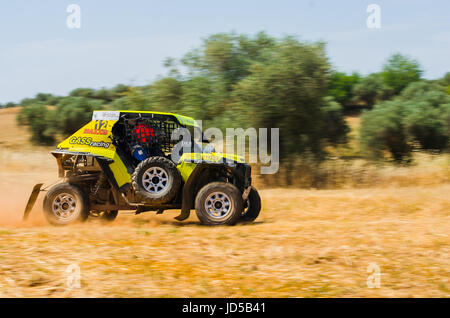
100,144
88,142
80,140
106,115
95,131
101,124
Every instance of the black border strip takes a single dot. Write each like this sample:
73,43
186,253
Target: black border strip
293,307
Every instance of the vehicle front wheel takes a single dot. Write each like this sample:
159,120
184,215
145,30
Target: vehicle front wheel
219,203
64,204
252,206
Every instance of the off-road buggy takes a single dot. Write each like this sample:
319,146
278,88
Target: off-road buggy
124,160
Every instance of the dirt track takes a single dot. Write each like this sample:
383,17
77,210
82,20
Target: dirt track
307,243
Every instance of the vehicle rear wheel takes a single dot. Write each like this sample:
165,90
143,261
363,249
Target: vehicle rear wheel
219,203
253,206
156,180
64,204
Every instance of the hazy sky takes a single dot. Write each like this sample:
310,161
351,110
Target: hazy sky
127,41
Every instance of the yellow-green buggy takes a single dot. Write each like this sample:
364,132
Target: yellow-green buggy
124,160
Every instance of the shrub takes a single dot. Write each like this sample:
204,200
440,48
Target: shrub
417,119
36,116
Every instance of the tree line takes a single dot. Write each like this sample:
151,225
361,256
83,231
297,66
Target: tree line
261,81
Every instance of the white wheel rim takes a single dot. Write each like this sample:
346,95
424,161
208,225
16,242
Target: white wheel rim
155,180
64,206
218,205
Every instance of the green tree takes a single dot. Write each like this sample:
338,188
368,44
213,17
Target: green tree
104,94
10,104
47,99
341,87
288,92
165,94
83,92
73,112
27,101
371,89
226,57
417,119
399,71
334,126
36,117
136,98
427,110
445,82
382,129
196,97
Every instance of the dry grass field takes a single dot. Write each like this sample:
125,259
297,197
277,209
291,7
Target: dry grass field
306,243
